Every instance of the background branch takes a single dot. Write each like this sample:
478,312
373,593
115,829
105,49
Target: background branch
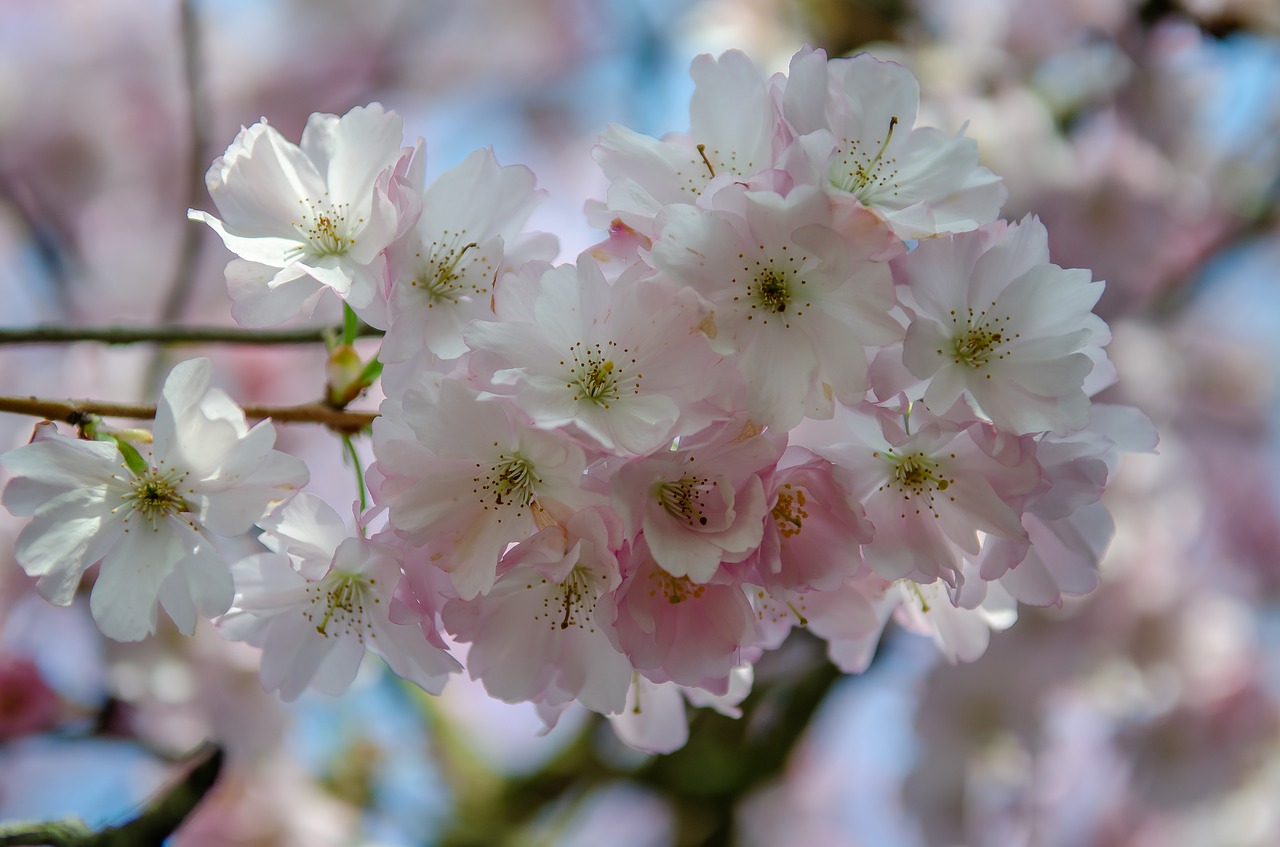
76,412
171,335
157,822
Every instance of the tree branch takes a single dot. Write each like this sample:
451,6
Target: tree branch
76,412
157,822
170,335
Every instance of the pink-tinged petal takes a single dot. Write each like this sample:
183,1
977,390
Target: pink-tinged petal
362,143
653,718
412,657
262,295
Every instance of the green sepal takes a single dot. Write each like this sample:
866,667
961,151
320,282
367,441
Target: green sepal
371,372
132,457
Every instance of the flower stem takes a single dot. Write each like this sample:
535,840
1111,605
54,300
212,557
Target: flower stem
355,462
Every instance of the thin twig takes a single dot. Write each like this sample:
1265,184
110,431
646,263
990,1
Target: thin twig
188,252
76,412
169,335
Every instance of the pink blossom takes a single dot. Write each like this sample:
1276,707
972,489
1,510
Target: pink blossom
674,629
701,504
992,319
464,478
27,703
856,121
930,490
794,299
537,634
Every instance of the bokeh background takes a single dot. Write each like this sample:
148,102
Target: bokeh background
1145,134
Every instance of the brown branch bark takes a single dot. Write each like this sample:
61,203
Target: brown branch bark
76,412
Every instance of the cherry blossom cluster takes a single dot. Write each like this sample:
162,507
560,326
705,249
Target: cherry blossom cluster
809,379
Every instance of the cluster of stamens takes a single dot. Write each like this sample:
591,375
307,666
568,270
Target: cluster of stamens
703,168
682,499
155,495
573,605
770,610
510,481
443,274
773,286
919,478
788,512
676,589
863,173
325,229
978,337
339,602
598,371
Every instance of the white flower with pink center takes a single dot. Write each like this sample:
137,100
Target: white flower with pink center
319,601
993,319
931,489
792,298
623,366
464,478
307,218
856,118
149,519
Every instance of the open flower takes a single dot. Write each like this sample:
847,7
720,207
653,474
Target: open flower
149,522
856,119
310,217
319,601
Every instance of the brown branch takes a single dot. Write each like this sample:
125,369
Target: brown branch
76,412
170,335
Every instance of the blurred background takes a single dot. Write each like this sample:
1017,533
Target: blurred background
1145,134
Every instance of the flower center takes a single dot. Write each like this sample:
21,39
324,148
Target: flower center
511,481
676,589
788,512
918,478
977,337
863,173
325,230
443,274
772,291
338,601
155,495
774,288
572,603
597,372
682,499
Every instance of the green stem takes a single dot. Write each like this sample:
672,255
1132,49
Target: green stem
355,462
